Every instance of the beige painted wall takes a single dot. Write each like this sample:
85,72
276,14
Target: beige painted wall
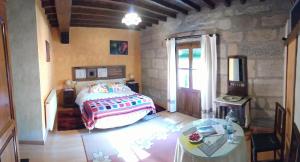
45,68
90,47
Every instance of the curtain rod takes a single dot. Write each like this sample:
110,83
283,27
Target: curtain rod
188,36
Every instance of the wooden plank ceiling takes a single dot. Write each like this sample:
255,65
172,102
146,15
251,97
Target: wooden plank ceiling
109,13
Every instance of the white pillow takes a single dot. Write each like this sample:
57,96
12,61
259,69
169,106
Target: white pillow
79,85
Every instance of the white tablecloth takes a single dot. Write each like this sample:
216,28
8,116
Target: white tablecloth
186,152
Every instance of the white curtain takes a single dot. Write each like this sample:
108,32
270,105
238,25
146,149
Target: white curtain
208,73
171,50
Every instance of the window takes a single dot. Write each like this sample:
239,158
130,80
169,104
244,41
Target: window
188,65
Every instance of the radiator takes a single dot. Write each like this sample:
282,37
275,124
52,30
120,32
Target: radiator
51,109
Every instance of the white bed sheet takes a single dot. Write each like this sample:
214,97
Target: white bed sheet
110,121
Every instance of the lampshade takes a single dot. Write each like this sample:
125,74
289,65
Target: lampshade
131,18
131,76
69,84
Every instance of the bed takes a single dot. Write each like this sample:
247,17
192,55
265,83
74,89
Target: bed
110,109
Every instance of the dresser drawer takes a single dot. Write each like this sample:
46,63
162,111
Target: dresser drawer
69,98
68,113
70,123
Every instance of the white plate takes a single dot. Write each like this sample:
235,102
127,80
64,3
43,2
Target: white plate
199,140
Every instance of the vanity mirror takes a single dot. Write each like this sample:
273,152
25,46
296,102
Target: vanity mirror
237,76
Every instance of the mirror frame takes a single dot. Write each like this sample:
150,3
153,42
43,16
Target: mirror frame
238,88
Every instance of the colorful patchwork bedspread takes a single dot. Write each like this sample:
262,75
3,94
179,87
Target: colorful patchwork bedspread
100,108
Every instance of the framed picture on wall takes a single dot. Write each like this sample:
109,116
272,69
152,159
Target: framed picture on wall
118,47
47,51
91,73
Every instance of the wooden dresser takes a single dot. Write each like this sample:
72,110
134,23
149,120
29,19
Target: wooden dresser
69,119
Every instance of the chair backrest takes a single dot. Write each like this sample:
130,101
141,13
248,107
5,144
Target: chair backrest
279,126
294,152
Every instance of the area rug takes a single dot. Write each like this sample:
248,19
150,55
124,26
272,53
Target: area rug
149,140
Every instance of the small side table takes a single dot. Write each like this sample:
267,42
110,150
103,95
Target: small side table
134,86
69,97
242,106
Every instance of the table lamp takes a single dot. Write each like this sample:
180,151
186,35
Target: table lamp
69,84
131,77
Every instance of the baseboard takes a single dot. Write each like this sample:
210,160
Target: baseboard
32,142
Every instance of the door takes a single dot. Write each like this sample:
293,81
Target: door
188,78
290,90
8,141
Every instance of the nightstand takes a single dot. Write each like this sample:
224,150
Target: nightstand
134,86
69,119
69,98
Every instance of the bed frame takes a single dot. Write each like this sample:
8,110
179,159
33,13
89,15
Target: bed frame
89,73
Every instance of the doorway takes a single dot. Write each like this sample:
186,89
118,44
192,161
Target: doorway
188,64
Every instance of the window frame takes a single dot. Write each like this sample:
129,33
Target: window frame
190,46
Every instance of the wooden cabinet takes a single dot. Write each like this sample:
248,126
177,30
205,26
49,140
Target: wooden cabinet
8,139
69,97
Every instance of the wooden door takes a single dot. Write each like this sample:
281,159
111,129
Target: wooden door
188,93
290,90
8,140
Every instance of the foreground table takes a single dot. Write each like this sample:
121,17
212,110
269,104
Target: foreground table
226,152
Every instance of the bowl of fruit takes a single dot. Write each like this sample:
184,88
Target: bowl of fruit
195,137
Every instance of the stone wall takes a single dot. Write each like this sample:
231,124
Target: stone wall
254,30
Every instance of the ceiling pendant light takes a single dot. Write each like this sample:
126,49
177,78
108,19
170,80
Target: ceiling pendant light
131,19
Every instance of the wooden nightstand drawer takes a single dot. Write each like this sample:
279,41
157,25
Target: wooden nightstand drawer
69,97
69,118
70,124
69,112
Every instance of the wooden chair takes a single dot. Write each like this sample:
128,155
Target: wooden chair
294,151
274,141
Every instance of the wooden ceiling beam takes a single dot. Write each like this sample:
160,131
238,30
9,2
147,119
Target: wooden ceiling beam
118,7
139,3
210,4
104,26
171,6
82,16
227,3
115,21
63,12
99,19
98,12
51,12
153,8
78,21
98,24
243,1
192,4
102,18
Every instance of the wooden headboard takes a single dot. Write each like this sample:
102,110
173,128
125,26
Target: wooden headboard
87,73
